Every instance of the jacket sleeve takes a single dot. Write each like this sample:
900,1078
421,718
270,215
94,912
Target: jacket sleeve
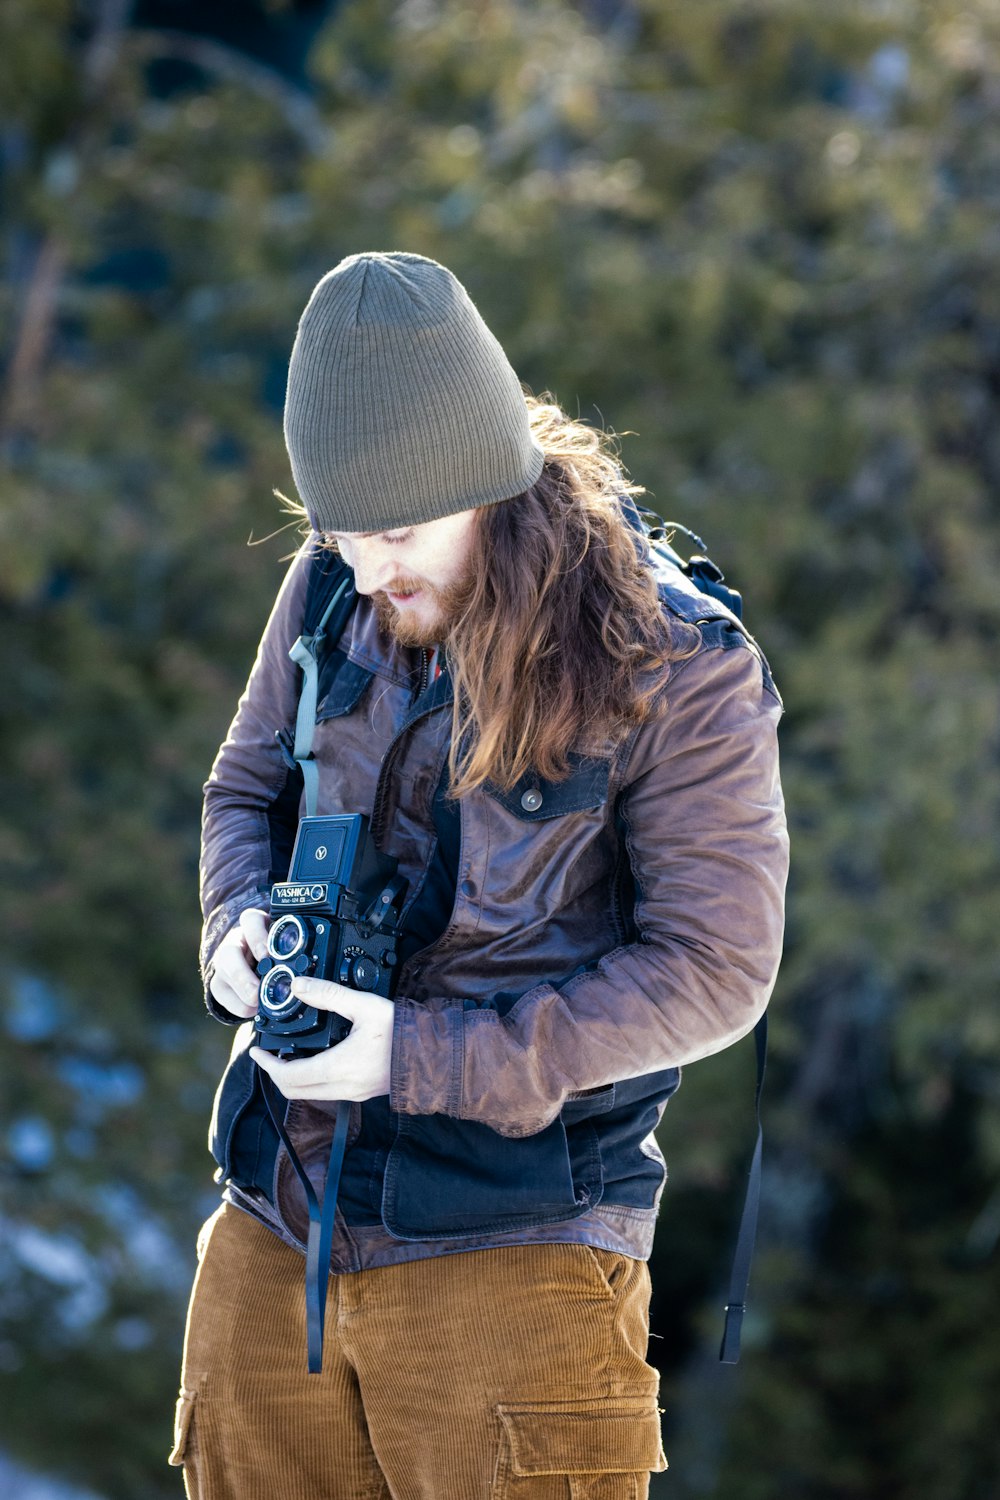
708,846
247,779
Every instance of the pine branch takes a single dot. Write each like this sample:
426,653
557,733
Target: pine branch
214,57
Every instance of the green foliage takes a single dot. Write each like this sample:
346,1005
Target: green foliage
759,240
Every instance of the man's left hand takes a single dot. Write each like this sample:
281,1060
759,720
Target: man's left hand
357,1068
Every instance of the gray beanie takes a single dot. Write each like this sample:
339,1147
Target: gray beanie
401,405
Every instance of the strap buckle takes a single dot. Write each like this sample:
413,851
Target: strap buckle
284,740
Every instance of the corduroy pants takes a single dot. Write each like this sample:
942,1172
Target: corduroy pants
517,1372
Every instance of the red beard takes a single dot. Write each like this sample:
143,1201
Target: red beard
409,629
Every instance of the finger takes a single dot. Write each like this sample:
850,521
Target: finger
222,991
347,1093
329,1091
233,968
297,1074
253,926
327,994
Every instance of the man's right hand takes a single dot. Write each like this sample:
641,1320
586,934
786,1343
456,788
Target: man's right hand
234,979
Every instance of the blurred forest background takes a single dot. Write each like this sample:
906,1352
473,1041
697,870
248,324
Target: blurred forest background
761,240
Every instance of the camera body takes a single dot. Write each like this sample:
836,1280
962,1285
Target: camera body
336,917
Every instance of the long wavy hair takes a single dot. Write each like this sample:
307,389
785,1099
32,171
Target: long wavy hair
561,641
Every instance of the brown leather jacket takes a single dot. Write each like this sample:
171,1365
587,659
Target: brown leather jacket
629,918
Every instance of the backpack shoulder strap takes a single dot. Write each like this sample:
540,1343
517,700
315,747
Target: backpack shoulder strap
327,570
693,591
330,599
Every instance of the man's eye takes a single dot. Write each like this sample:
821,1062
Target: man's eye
393,539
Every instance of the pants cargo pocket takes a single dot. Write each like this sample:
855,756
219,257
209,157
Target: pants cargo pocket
581,1451
183,1433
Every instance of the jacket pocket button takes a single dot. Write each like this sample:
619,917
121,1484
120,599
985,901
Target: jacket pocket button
468,889
531,800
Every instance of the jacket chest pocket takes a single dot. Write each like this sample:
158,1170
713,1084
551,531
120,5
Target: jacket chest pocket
535,800
341,686
542,858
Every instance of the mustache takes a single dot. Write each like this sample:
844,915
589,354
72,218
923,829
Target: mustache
406,586
447,602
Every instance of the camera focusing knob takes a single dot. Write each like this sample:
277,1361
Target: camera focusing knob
359,970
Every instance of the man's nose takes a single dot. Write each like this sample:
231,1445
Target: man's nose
372,570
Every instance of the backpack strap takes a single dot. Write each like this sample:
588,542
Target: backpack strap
739,1276
327,569
330,600
684,596
707,576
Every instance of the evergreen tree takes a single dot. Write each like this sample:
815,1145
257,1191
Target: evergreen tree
758,239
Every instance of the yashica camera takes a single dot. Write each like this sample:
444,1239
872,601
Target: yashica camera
336,917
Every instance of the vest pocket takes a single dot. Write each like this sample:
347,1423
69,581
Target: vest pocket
452,1179
589,1102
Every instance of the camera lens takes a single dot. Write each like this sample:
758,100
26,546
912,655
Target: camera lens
286,937
276,991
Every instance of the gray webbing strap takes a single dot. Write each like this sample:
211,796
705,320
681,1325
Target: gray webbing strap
305,654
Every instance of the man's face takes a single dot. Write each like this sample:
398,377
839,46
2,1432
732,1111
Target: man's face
417,576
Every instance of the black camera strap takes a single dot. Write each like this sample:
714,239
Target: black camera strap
320,1237
305,653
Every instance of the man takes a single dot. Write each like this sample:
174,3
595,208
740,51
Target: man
578,781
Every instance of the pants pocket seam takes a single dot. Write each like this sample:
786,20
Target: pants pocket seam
611,1288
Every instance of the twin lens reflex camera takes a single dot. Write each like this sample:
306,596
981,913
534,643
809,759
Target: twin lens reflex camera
335,917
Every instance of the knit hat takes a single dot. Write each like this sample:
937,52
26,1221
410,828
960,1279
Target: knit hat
401,405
